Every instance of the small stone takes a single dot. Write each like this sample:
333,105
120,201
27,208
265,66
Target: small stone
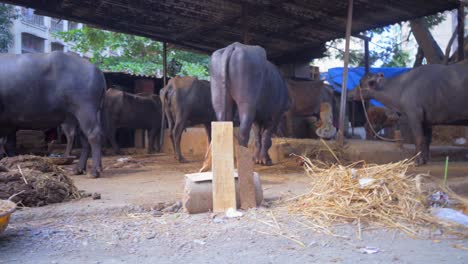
218,220
151,236
96,196
200,242
437,232
157,214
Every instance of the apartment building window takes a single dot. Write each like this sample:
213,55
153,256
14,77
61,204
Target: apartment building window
27,15
31,43
57,47
56,25
72,25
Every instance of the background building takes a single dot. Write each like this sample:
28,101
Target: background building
35,33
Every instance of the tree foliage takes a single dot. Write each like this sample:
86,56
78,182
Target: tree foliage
387,51
122,52
7,15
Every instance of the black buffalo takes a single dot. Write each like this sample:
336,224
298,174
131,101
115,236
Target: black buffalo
242,77
122,109
428,95
186,102
40,91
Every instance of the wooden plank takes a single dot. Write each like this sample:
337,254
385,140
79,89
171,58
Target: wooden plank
222,152
246,180
204,176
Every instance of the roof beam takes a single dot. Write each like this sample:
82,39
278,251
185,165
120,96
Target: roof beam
207,27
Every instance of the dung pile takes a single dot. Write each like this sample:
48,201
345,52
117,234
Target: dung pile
363,194
33,181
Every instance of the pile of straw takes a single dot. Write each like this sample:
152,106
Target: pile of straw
391,197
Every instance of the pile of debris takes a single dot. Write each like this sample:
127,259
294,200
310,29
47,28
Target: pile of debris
32,181
363,194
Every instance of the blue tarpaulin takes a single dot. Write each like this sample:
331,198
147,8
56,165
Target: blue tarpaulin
334,76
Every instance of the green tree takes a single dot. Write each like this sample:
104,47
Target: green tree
122,52
388,50
7,15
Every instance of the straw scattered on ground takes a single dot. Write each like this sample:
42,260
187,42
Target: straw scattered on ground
363,194
32,181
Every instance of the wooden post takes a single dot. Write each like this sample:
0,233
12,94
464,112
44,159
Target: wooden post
222,152
246,178
461,31
163,117
345,75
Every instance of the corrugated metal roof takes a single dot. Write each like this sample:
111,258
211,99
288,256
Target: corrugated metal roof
288,30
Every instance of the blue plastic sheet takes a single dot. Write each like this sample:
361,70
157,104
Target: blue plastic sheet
334,77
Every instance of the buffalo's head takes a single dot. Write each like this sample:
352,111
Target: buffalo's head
369,83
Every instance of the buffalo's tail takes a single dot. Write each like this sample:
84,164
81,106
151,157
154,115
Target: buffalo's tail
225,57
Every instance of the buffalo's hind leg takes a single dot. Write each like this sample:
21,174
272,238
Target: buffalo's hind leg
91,128
416,125
84,154
153,142
69,129
428,140
266,144
258,143
178,130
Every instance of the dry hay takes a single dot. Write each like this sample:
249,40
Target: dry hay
33,181
393,199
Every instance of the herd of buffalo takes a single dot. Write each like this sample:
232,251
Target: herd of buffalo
41,91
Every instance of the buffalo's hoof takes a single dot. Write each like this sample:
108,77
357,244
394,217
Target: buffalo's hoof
77,171
420,161
94,175
266,162
182,160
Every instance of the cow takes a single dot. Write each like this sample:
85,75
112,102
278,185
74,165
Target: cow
308,99
122,109
379,118
186,102
242,78
427,95
42,90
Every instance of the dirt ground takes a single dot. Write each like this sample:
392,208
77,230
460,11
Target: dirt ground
124,227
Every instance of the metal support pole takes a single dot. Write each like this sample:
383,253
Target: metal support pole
366,55
165,63
461,31
163,116
345,75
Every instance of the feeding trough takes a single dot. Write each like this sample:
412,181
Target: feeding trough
6,209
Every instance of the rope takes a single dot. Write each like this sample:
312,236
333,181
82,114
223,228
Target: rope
369,122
